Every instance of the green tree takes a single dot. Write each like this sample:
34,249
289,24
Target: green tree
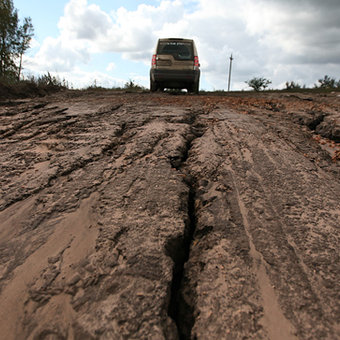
258,84
14,40
327,82
26,33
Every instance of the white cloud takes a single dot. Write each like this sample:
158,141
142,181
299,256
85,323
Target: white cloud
111,67
34,43
303,30
83,21
58,55
136,31
82,79
282,40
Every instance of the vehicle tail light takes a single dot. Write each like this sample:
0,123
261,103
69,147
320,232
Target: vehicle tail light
153,61
196,62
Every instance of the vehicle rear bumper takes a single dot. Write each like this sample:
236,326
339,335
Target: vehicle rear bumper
174,76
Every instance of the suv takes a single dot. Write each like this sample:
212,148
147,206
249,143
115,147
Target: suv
175,65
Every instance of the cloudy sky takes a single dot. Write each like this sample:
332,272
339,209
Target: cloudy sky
108,42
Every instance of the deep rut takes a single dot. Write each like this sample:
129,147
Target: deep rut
181,253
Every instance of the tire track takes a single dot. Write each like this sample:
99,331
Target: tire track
274,321
253,180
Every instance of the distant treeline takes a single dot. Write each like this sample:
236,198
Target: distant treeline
260,84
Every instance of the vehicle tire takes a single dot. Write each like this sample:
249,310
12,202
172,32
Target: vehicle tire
195,87
153,86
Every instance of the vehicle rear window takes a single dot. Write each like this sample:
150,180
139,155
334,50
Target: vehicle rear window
179,50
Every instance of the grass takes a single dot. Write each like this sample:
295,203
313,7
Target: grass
32,86
47,83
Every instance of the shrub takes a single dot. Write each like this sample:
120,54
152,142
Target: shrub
327,83
258,84
292,86
132,86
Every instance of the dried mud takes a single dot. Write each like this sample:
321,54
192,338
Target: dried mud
157,216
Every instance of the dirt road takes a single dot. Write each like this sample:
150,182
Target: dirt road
157,216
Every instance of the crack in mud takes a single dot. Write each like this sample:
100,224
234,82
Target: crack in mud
318,119
179,249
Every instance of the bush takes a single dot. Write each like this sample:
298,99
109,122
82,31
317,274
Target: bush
32,86
131,85
47,80
327,83
292,86
258,84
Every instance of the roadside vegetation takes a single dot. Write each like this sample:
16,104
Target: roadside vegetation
15,39
258,83
325,83
129,86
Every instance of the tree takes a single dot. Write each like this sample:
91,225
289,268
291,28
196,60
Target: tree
8,35
258,84
327,82
292,85
14,40
26,33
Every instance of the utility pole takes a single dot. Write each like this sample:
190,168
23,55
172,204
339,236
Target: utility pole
231,61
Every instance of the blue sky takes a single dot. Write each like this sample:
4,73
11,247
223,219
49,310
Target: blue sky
110,42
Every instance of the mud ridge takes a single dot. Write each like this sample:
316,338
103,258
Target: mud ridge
79,164
107,150
320,122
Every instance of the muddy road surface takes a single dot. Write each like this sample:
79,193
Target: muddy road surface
158,216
